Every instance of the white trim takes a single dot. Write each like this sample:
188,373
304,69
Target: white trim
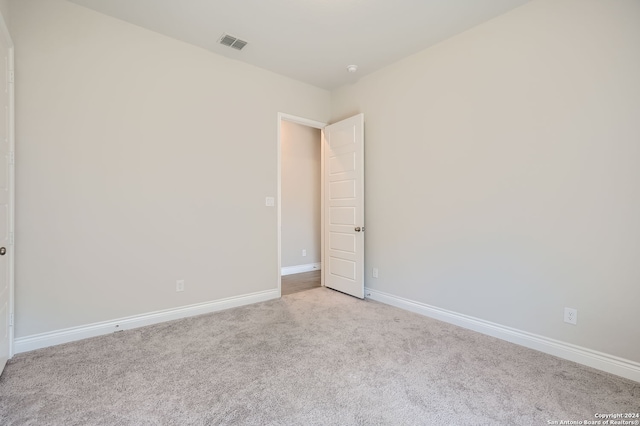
599,360
298,269
316,125
12,199
43,340
6,36
301,120
323,148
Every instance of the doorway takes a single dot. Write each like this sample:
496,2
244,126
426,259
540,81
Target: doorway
300,212
341,200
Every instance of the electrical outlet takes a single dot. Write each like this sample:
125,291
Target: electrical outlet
374,273
180,285
571,316
304,252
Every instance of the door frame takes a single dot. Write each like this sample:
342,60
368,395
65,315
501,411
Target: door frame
4,33
316,125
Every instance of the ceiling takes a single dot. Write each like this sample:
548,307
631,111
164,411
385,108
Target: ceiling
309,40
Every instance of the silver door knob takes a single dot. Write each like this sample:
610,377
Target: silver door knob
357,229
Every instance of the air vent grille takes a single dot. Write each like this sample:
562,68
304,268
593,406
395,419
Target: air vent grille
232,41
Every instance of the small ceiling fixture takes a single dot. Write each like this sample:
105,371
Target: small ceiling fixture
232,41
352,68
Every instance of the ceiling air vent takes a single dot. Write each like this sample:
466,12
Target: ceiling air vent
232,41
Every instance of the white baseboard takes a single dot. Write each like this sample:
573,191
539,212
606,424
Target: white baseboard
43,340
298,269
599,360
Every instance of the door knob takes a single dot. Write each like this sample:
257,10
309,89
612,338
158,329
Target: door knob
3,251
357,229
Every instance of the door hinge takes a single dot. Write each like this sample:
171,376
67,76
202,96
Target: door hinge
11,238
12,76
12,157
11,319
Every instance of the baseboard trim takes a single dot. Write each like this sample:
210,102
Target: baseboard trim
599,360
43,340
298,269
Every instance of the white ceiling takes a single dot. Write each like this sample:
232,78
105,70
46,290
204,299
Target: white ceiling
309,40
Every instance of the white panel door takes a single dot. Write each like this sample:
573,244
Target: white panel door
343,262
6,197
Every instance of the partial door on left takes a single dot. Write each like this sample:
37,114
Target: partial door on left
6,194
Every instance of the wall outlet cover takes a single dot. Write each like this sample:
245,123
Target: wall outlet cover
571,316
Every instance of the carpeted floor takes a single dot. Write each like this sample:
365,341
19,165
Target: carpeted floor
311,358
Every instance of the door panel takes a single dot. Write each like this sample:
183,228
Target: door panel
343,242
343,163
344,268
343,189
344,206
343,216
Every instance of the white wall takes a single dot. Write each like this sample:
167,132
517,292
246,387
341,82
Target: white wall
503,177
300,194
140,160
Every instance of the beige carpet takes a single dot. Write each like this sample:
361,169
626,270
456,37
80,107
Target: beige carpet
311,358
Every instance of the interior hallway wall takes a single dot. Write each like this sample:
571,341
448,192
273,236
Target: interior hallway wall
300,194
141,160
502,172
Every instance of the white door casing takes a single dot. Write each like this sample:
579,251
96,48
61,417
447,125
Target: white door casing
6,195
343,261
